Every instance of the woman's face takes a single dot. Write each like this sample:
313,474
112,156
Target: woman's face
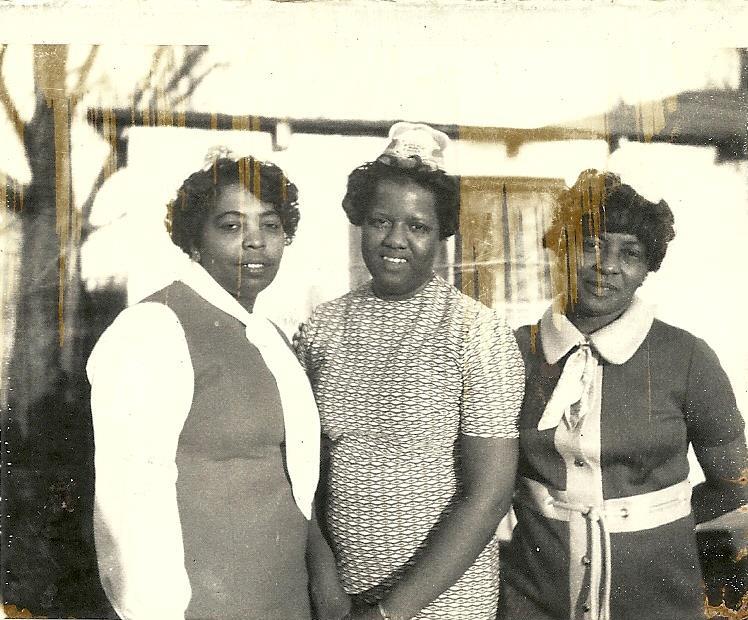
613,267
242,243
400,238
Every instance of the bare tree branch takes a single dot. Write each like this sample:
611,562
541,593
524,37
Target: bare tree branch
101,82
158,90
195,82
140,91
160,69
84,71
10,107
192,56
87,206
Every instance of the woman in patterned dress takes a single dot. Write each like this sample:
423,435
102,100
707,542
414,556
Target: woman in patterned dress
419,389
206,430
613,399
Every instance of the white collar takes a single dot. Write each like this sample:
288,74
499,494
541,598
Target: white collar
616,342
199,280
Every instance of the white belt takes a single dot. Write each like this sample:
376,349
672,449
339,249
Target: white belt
623,514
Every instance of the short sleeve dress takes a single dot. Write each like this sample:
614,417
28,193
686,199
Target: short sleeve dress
397,383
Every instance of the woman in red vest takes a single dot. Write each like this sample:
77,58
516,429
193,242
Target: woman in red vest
206,430
613,399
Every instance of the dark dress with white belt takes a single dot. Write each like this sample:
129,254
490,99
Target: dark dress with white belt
668,391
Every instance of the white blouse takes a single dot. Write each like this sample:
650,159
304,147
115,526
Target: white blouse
142,384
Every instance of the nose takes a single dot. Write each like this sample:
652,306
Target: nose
395,237
609,262
253,237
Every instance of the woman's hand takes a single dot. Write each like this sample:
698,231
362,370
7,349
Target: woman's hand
364,612
333,608
368,613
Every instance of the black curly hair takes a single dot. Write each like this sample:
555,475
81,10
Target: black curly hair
599,202
201,190
363,181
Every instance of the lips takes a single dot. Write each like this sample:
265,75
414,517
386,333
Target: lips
394,260
600,288
254,266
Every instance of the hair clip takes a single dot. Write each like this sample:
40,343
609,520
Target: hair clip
215,153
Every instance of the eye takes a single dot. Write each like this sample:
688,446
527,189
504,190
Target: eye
377,222
271,225
590,244
229,226
420,228
633,252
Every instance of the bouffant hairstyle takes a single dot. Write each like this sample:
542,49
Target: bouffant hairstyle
599,202
201,191
363,181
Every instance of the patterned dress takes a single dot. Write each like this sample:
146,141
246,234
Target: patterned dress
397,383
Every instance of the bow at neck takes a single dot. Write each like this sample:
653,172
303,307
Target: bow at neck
614,343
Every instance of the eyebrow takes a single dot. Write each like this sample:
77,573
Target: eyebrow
604,237
409,219
265,212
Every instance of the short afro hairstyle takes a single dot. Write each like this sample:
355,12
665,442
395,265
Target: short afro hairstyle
599,202
363,181
201,191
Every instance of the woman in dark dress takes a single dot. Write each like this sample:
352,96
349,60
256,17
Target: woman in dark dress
613,399
206,430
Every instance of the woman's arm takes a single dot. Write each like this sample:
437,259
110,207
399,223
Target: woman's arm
488,471
725,489
141,390
329,599
716,430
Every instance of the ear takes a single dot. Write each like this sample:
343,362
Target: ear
195,254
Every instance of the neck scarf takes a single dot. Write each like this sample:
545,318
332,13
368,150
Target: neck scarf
614,343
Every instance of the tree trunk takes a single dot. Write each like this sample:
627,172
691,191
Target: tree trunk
49,564
46,494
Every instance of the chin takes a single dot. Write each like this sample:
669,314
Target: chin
597,309
254,290
390,289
